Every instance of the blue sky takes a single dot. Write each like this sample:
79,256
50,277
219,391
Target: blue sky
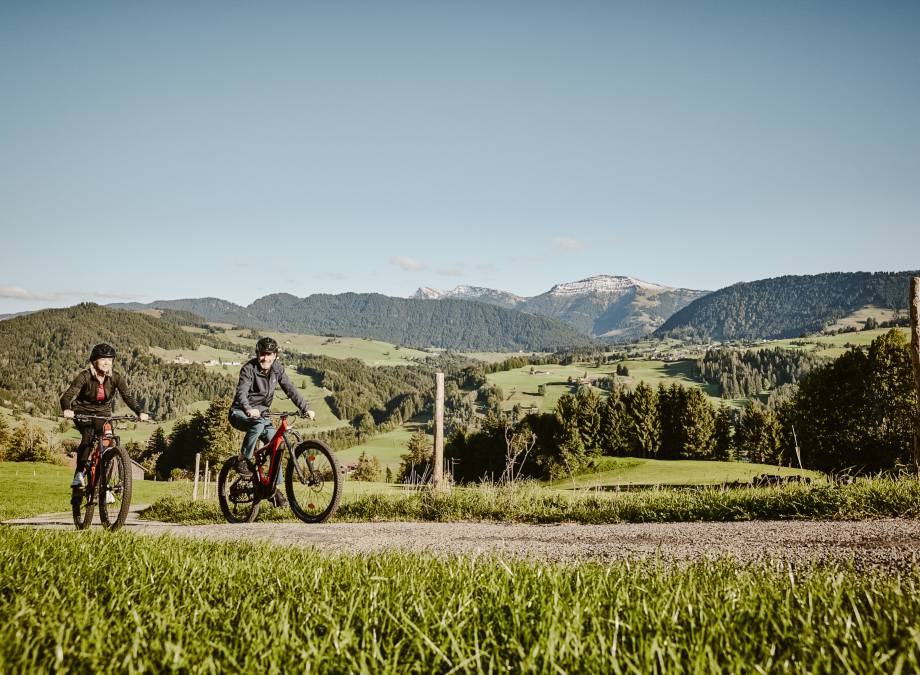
234,149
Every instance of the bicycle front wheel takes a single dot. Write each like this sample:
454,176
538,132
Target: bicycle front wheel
315,490
115,488
238,496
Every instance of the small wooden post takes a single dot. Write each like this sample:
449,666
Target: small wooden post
915,357
207,478
195,488
437,474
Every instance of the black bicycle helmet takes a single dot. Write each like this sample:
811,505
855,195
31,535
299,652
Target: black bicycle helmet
102,351
266,345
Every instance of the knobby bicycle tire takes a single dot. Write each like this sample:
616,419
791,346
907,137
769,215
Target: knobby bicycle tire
316,499
231,488
82,507
116,479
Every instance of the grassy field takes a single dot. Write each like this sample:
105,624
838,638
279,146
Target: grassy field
29,488
532,503
152,605
858,318
625,471
520,386
830,346
386,447
371,352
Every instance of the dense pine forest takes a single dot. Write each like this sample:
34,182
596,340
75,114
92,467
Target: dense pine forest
743,374
787,306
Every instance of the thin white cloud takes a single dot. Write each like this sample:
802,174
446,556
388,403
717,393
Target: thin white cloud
104,295
407,264
17,293
455,271
567,244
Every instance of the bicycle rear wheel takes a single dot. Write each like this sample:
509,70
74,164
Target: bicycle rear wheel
314,497
115,488
239,497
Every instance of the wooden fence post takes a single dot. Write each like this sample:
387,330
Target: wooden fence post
915,357
195,488
437,474
207,479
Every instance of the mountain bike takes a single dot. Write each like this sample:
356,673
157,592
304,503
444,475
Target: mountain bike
107,478
313,479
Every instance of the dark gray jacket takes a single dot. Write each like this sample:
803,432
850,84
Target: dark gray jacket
257,389
81,394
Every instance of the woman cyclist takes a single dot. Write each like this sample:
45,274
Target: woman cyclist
92,392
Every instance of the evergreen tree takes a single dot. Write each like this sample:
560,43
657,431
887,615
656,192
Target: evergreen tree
697,425
724,432
613,440
588,415
368,468
219,439
570,437
857,413
758,436
418,457
643,428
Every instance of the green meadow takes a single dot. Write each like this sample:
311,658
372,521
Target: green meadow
152,605
520,386
30,488
371,352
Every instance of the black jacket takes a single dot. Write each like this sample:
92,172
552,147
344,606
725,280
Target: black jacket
257,389
81,394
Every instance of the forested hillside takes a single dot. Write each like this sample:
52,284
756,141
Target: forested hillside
450,324
787,306
741,374
41,352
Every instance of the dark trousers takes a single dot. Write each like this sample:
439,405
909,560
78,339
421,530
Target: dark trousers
87,431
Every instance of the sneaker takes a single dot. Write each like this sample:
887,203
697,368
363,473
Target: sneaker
77,481
242,468
109,497
278,499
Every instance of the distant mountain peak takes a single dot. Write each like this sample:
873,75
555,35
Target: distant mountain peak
604,284
463,292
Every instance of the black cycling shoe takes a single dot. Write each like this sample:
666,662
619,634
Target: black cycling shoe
242,469
278,499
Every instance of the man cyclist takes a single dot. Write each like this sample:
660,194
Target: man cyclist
92,392
254,393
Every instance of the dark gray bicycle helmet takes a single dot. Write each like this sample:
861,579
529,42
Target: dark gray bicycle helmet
102,351
266,345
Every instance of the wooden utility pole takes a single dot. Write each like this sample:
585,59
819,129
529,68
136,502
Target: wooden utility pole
915,357
197,464
437,474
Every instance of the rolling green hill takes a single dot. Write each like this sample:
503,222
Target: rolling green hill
788,306
42,351
448,324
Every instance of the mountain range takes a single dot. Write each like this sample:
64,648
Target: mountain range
605,307
449,324
614,307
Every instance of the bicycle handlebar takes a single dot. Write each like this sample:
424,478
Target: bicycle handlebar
113,418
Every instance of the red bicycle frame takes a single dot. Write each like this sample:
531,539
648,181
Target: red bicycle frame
273,447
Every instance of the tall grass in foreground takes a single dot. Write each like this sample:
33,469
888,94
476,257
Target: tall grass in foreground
97,602
528,503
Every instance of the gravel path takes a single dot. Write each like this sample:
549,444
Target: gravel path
888,544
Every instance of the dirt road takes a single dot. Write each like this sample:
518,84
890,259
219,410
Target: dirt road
889,544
